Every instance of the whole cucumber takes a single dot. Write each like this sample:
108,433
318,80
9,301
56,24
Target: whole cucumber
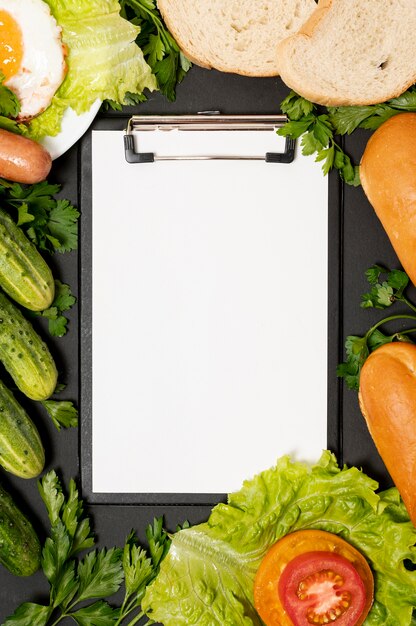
21,450
24,355
20,549
24,274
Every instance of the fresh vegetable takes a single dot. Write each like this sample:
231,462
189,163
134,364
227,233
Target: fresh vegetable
383,294
319,126
24,355
19,545
103,60
50,223
313,577
205,574
24,275
79,587
160,49
208,575
21,450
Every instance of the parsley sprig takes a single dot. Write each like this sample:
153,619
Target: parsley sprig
9,109
51,223
79,587
382,295
317,134
64,300
159,47
319,126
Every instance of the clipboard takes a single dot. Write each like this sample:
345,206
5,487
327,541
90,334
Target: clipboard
133,153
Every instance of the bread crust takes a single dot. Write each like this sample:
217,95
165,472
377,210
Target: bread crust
388,177
387,399
292,80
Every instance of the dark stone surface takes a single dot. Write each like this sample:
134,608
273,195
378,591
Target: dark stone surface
364,244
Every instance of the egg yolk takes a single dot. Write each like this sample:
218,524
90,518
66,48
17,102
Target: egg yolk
11,45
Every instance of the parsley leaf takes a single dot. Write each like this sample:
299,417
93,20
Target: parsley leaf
97,614
158,540
138,568
159,47
64,300
383,294
100,574
9,103
322,125
347,118
50,223
75,582
30,613
62,412
317,132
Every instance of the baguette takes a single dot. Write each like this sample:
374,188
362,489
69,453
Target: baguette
388,177
352,52
230,36
387,399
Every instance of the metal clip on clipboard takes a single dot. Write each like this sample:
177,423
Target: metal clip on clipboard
206,122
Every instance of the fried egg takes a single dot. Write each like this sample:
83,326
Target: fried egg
32,56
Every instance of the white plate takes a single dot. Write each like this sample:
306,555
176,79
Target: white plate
73,127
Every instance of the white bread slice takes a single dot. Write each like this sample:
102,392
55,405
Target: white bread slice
239,36
352,52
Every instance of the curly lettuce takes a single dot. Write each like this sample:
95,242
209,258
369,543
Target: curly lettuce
104,61
207,577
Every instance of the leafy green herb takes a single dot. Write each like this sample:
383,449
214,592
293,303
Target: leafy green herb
52,224
318,127
317,132
62,412
79,586
383,294
159,47
63,301
9,109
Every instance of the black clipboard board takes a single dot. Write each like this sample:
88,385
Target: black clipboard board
334,435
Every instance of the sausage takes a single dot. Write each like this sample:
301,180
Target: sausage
22,160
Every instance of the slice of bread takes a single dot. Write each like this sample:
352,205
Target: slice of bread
239,36
352,52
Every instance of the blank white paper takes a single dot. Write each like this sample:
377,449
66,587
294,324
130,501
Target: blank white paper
209,278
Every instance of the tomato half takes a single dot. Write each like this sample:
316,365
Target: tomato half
313,577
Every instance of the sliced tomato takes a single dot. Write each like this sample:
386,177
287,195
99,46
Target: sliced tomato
313,577
322,588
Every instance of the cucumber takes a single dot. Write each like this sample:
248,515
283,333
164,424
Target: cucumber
21,450
24,274
19,545
24,355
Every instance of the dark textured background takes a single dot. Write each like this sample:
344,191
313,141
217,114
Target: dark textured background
364,243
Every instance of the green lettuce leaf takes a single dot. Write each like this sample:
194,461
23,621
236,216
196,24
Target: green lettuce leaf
207,576
103,60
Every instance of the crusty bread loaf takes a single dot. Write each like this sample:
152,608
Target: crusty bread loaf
388,177
388,402
352,52
239,36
